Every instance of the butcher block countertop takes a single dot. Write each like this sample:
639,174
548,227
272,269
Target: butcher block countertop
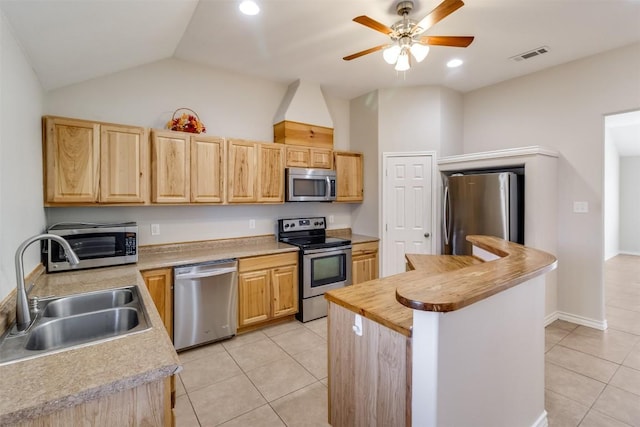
455,290
442,283
48,383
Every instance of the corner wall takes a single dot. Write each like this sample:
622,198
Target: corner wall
21,211
630,205
611,198
562,108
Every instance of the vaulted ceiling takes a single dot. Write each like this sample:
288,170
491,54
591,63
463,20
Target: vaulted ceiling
68,41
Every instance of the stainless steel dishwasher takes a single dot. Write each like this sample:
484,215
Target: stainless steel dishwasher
205,303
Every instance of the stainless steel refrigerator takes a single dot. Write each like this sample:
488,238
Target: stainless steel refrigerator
481,203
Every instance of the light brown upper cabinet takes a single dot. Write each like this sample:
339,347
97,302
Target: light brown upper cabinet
186,168
255,172
124,164
307,157
270,173
207,169
349,176
170,163
87,162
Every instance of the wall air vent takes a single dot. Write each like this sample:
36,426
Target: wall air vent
530,54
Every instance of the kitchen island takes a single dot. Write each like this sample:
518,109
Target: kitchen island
457,341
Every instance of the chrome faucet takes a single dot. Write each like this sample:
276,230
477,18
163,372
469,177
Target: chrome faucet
23,316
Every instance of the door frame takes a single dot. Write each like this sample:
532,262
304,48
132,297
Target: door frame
435,230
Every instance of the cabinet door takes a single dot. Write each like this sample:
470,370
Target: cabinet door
298,157
253,297
170,160
349,176
284,290
241,171
322,159
124,164
207,169
71,160
271,173
160,283
364,262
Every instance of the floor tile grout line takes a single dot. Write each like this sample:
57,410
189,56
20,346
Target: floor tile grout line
582,374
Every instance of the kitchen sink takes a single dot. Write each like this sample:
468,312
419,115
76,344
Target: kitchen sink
66,322
80,328
84,303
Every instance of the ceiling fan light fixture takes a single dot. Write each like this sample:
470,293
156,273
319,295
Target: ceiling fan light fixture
419,51
249,7
391,54
403,62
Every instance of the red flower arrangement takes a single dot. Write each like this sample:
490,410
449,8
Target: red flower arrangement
186,122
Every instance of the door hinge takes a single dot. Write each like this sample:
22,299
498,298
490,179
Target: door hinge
386,227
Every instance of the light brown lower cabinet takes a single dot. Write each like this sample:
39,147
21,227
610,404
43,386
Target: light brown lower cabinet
267,289
145,405
364,260
369,375
160,285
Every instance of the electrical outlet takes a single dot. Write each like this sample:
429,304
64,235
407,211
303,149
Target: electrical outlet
155,229
581,207
252,224
330,219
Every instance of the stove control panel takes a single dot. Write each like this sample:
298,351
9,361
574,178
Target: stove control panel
302,224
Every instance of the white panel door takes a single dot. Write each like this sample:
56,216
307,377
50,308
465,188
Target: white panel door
408,210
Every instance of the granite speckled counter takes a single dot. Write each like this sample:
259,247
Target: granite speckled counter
48,383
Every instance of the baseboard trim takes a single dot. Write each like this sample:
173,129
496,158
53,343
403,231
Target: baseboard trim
584,321
542,420
628,253
550,318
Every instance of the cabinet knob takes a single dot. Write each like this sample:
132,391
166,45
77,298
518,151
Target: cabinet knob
427,235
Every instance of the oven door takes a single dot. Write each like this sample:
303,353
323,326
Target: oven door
325,269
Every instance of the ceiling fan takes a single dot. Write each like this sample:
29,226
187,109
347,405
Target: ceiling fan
406,34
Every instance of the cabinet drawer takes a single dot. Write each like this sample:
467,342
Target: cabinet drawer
267,261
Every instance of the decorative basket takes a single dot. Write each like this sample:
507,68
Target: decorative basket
186,122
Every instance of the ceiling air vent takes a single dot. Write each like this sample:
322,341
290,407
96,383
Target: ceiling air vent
530,54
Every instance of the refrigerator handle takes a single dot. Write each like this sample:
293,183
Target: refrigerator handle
445,210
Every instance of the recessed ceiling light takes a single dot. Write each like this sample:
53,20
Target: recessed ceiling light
454,63
249,7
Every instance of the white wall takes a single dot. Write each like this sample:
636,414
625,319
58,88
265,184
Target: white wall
562,108
611,197
630,205
364,138
21,212
422,118
230,105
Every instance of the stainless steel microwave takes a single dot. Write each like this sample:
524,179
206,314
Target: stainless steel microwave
97,245
310,185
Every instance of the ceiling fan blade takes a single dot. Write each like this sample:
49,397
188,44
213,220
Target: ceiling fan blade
444,9
365,52
454,41
373,24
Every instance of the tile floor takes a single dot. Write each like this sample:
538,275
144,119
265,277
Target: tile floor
278,376
273,377
592,377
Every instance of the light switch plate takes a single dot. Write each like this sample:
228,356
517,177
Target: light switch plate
155,229
581,207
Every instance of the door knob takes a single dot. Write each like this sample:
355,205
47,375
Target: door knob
427,235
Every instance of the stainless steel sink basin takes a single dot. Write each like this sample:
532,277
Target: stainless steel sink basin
65,322
84,303
81,328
